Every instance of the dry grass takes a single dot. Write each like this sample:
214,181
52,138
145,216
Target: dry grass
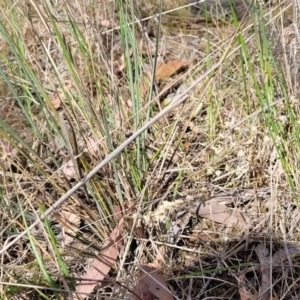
237,131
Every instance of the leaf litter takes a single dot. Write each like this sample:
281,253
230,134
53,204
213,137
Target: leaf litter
217,211
101,266
153,282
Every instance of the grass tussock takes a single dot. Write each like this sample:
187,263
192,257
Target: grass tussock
77,81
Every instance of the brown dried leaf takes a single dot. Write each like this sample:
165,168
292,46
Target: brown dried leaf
155,281
59,97
92,147
263,255
158,258
70,223
165,70
244,293
217,211
69,169
191,125
118,211
141,291
101,266
121,63
138,229
282,255
109,23
8,153
144,85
